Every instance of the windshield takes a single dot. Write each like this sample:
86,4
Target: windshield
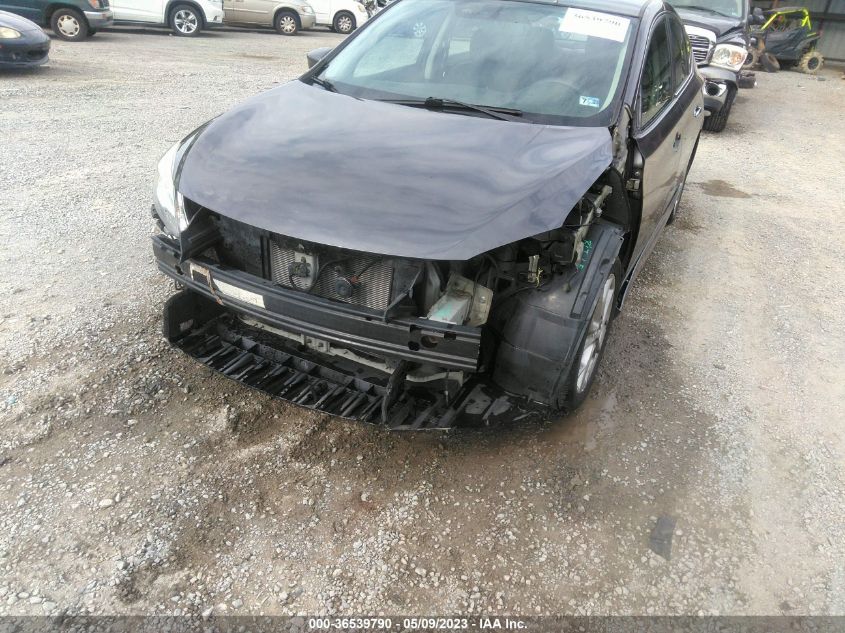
728,8
547,63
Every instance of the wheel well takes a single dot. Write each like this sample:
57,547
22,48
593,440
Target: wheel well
287,10
52,8
620,210
174,3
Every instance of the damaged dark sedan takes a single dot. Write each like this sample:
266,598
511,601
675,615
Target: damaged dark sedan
436,224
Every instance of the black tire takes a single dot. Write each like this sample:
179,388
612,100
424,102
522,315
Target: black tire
752,60
343,23
69,25
185,20
717,121
769,62
811,62
92,32
287,22
572,390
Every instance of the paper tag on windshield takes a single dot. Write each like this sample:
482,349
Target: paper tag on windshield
595,24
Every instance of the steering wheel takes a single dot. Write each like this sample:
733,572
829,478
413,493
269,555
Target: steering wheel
550,89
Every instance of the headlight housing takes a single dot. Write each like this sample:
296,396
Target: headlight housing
168,202
7,33
729,56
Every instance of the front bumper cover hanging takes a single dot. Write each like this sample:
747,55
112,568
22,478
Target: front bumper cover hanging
215,337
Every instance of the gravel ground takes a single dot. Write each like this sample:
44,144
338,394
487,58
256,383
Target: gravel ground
134,481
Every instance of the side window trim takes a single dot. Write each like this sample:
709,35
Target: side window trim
690,66
642,127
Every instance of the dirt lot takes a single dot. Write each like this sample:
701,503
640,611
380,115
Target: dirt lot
133,481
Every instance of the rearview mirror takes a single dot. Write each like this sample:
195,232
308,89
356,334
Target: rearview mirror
316,55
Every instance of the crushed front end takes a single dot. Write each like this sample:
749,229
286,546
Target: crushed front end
407,343
330,329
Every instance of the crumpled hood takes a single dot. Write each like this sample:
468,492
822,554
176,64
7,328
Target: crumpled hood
390,179
719,24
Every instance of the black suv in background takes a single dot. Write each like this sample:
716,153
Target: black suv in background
718,33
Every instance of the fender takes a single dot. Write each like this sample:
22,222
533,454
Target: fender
540,330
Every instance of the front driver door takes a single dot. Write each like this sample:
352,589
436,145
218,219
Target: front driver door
139,10
248,11
659,136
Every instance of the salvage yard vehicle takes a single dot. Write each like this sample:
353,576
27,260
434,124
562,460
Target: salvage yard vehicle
186,18
719,34
457,254
288,17
787,37
71,20
22,42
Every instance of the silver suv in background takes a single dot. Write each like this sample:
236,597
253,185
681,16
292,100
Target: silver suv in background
288,17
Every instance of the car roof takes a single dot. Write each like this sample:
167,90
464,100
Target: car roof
629,8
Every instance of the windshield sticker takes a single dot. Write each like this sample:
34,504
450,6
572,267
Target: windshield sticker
595,24
593,102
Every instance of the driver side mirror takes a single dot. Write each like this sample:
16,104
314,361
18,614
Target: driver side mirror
757,16
315,56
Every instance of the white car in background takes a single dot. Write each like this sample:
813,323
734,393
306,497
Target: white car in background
342,16
184,17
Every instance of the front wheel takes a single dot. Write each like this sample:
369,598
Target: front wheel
811,62
344,23
574,386
286,23
69,24
185,20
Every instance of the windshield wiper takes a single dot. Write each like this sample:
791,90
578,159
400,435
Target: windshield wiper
324,83
436,103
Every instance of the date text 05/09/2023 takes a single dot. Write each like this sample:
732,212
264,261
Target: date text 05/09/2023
419,623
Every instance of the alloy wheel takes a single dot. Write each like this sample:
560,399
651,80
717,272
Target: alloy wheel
185,21
344,24
596,332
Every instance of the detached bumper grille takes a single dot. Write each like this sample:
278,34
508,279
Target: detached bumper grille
700,48
376,275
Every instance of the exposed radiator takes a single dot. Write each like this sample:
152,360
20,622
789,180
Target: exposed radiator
372,291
